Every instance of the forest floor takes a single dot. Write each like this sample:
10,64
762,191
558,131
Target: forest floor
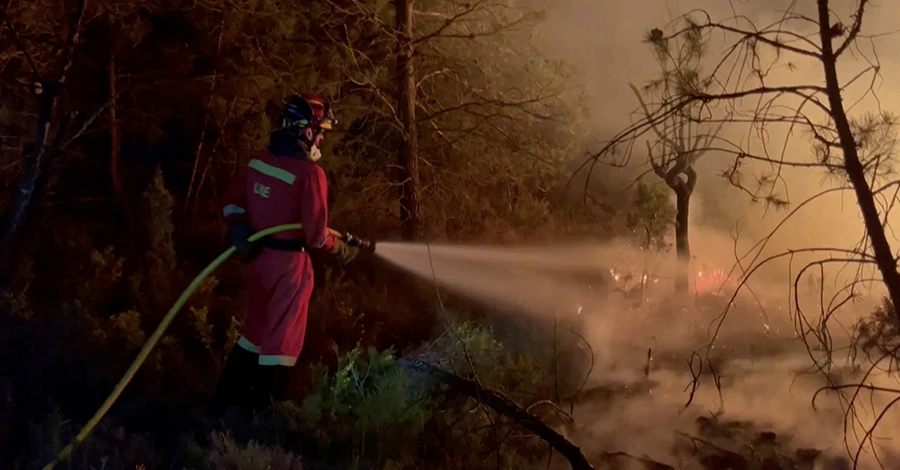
724,420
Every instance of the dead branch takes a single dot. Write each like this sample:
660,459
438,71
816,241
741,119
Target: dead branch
212,93
510,409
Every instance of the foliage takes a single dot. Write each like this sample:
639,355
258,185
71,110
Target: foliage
650,217
875,134
681,60
879,333
364,404
393,414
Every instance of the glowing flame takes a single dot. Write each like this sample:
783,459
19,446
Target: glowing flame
712,282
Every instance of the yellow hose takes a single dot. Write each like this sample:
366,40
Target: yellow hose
66,452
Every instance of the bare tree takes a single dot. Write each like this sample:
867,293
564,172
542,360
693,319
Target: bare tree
679,142
742,89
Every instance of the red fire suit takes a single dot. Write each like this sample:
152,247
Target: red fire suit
270,191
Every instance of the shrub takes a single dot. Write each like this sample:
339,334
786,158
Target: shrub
492,440
365,404
226,454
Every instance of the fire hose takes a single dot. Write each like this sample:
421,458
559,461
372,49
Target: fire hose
66,452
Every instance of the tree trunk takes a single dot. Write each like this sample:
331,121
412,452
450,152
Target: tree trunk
14,215
682,242
115,141
11,219
884,257
408,156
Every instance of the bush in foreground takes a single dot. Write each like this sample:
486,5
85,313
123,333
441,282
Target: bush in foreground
368,412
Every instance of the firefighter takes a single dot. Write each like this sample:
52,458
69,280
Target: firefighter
282,184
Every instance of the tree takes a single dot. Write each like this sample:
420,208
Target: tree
408,160
746,91
491,112
679,143
486,110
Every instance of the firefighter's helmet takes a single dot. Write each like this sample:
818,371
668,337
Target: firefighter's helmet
307,110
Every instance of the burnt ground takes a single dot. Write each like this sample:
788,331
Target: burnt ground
703,439
720,445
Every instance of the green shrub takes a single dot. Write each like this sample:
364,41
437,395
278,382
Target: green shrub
368,412
493,441
364,404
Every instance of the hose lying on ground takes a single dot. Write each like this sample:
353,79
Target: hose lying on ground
66,452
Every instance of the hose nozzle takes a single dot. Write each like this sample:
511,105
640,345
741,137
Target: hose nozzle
367,246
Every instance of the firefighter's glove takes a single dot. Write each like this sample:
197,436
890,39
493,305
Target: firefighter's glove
343,252
238,235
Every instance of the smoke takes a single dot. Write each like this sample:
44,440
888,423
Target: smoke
765,374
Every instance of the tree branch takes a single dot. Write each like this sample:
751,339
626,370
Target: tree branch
854,30
510,409
761,37
448,22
